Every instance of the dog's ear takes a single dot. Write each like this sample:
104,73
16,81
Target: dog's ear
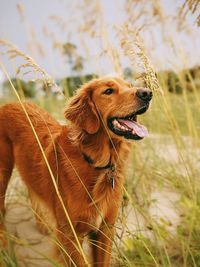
82,111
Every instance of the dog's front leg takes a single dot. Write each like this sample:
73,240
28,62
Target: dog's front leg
103,239
102,245
70,253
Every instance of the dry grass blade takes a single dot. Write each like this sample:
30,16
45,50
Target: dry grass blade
191,6
132,45
13,52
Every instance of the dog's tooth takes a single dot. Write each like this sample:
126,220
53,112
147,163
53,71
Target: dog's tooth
118,124
115,122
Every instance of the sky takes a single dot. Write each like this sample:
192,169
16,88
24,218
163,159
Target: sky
38,29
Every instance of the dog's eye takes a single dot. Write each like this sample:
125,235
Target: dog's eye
108,91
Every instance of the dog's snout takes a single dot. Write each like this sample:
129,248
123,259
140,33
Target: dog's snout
144,94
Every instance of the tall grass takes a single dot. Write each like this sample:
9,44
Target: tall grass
164,167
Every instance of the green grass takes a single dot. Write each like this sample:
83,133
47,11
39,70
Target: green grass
157,120
168,159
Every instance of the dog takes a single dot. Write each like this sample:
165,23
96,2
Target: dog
75,172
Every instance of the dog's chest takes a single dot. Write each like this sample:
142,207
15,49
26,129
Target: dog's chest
105,195
91,218
90,221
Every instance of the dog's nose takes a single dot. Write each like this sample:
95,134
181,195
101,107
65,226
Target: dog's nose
144,94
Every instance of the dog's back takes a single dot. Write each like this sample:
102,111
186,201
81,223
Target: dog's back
14,120
18,143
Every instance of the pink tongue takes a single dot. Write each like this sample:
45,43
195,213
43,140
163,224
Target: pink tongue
137,128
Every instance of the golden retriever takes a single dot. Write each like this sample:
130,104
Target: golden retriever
86,157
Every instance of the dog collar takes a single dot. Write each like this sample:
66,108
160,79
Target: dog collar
91,161
110,174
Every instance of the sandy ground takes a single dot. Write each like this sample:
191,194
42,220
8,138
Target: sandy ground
33,249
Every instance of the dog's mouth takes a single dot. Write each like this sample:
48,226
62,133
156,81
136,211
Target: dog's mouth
128,126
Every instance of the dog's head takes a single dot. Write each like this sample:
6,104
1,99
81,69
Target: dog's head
110,103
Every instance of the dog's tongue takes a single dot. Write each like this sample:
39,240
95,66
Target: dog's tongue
137,128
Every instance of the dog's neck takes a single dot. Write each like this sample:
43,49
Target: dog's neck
99,148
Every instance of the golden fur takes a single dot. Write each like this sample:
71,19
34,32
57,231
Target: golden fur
64,146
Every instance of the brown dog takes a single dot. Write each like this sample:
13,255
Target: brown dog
87,160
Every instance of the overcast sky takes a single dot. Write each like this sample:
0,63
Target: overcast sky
29,35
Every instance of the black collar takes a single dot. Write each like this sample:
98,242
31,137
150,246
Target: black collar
111,169
91,161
